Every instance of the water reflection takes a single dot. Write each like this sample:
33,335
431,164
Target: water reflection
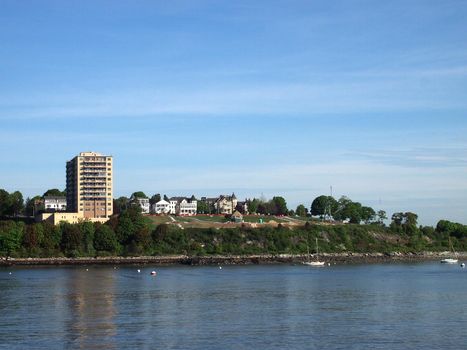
90,302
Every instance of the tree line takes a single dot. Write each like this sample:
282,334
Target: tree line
132,234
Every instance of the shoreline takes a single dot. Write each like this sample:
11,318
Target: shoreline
332,258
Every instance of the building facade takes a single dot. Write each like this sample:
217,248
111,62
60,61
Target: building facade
161,207
183,206
54,203
89,186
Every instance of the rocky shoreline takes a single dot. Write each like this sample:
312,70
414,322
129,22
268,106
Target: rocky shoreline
334,258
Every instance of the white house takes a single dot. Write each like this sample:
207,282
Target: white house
183,206
187,207
54,203
161,207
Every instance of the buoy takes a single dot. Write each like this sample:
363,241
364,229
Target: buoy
462,265
153,273
10,273
220,267
87,269
329,264
139,270
115,267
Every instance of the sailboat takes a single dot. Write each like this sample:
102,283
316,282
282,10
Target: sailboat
450,260
315,262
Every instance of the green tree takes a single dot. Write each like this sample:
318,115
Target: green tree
17,203
120,204
105,239
203,208
5,204
72,239
301,211
11,236
33,236
54,192
253,205
279,206
30,207
88,230
381,217
368,215
323,205
139,194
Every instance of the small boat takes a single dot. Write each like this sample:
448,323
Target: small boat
315,262
450,260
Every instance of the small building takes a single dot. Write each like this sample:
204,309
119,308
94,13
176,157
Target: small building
161,207
54,203
71,218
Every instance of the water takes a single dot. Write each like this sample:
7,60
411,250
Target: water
391,306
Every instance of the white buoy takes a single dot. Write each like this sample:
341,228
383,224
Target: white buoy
329,264
139,270
10,273
462,265
153,273
220,267
87,269
115,267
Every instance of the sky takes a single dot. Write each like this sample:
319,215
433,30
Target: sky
260,98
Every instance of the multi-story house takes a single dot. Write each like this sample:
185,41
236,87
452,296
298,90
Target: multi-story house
225,204
183,206
161,207
54,203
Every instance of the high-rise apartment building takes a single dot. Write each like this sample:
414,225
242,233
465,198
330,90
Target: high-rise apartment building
89,186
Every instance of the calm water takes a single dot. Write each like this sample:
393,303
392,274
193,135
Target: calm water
399,306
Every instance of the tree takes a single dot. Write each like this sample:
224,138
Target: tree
155,198
11,235
120,204
138,194
16,203
253,205
105,239
279,206
404,223
301,211
54,192
323,205
72,239
381,217
88,230
30,206
203,208
33,236
353,212
4,202
368,214
166,198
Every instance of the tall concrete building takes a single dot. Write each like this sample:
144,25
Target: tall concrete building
89,186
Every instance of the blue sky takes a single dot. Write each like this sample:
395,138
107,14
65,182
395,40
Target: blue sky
257,97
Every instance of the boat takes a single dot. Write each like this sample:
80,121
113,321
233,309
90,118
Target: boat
315,262
450,260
